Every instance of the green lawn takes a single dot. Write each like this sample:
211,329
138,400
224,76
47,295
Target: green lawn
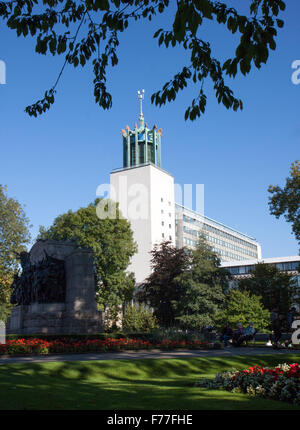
129,384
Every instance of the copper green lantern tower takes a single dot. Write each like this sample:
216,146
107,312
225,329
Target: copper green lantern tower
141,145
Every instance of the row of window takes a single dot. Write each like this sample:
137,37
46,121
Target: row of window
221,252
218,231
161,199
241,270
289,266
163,223
231,246
228,254
220,242
189,242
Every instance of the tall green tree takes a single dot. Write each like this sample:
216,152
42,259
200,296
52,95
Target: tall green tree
112,242
14,235
276,288
286,201
90,31
241,307
201,288
160,289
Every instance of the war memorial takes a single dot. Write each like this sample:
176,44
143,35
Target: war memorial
55,292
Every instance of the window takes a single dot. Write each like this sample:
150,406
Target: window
162,235
162,211
170,237
162,223
295,265
161,199
170,226
287,266
170,214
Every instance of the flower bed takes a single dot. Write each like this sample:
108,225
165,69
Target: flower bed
41,346
279,383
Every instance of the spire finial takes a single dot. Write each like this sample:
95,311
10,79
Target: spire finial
141,95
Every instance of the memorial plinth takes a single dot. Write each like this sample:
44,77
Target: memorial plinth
50,301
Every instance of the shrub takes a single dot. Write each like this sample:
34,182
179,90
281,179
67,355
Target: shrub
138,317
23,346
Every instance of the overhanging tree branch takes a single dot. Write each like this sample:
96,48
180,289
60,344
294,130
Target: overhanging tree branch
108,18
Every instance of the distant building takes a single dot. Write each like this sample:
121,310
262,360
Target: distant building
145,193
242,269
289,265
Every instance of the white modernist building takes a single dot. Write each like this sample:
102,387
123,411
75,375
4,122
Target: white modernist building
149,206
228,243
145,193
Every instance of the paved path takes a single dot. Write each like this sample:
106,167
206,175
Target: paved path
154,353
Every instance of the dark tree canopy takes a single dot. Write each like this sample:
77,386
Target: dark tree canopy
160,289
286,201
186,286
89,31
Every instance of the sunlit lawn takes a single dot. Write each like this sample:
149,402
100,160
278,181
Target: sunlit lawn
155,384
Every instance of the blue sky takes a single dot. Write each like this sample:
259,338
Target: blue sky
55,162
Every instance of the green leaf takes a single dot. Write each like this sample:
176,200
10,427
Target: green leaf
280,23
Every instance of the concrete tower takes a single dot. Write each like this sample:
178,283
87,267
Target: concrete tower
145,192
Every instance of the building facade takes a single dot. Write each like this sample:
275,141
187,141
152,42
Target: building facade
228,243
145,194
289,265
149,208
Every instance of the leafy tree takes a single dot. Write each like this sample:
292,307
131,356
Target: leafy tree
286,201
113,246
244,308
201,288
57,26
137,317
276,288
5,309
160,289
14,235
185,287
